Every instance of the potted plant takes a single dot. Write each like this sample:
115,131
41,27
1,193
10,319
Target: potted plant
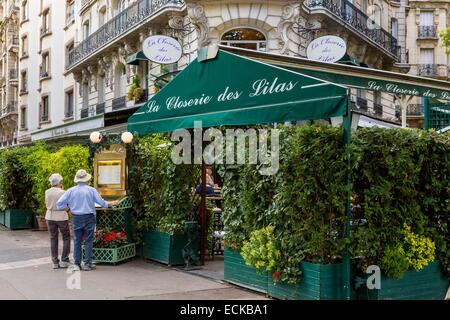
40,218
111,246
135,92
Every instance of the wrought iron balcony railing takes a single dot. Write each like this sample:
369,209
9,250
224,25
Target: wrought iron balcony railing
361,103
350,15
427,32
119,103
131,17
11,107
414,110
378,108
69,114
427,70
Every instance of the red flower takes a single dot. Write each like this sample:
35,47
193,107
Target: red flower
100,229
109,238
123,234
115,231
276,275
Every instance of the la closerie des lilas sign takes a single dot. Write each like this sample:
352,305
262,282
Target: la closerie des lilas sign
261,87
413,91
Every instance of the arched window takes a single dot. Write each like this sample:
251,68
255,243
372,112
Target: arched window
101,16
120,81
86,29
245,38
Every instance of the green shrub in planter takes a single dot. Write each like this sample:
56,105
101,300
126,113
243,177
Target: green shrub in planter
427,284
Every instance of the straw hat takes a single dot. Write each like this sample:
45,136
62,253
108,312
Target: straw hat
82,176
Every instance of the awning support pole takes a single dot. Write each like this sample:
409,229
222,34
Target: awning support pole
346,266
426,113
203,216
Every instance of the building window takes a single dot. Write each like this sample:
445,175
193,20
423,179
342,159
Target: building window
69,48
69,104
121,6
70,11
245,38
426,18
44,109
45,66
426,56
120,81
85,96
24,10
23,81
45,22
86,30
23,117
101,89
24,46
102,16
363,4
394,28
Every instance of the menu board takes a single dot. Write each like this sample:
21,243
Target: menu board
109,172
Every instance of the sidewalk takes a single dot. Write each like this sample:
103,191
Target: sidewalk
25,273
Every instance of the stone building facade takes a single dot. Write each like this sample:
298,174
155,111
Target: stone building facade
9,78
426,54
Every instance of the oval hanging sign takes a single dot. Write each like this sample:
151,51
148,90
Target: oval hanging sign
162,49
327,49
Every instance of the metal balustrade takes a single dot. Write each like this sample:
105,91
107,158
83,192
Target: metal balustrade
350,15
427,32
427,70
126,20
414,110
361,103
100,108
119,103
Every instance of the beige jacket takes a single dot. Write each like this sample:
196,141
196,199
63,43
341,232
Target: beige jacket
52,196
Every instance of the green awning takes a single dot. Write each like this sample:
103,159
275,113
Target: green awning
135,58
233,90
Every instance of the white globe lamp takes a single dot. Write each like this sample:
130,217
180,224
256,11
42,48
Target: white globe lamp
127,137
96,137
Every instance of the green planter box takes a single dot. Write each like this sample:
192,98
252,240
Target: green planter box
2,217
237,272
112,255
426,284
318,282
16,219
164,247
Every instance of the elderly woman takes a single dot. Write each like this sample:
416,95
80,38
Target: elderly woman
57,219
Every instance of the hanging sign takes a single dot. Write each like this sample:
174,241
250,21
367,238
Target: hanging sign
162,49
326,49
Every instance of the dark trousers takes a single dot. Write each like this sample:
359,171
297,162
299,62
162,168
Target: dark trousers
83,229
63,227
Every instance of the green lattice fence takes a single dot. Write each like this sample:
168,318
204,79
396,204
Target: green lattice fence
438,116
119,218
112,255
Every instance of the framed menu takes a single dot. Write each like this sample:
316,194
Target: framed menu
109,172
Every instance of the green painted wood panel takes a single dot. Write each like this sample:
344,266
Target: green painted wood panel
163,247
426,284
318,282
16,219
237,272
2,217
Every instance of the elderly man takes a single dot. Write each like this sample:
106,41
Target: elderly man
81,201
57,219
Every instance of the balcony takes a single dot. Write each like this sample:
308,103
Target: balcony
348,14
119,103
414,110
427,32
68,114
100,108
44,118
427,70
10,108
132,17
43,73
361,103
378,109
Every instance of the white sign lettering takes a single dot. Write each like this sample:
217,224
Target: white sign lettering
162,49
326,49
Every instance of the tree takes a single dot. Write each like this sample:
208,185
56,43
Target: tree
445,36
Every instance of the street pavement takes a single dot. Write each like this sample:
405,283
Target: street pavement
25,273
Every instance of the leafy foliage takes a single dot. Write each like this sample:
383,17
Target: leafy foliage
445,37
163,188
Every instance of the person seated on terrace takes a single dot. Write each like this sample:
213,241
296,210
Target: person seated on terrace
210,185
